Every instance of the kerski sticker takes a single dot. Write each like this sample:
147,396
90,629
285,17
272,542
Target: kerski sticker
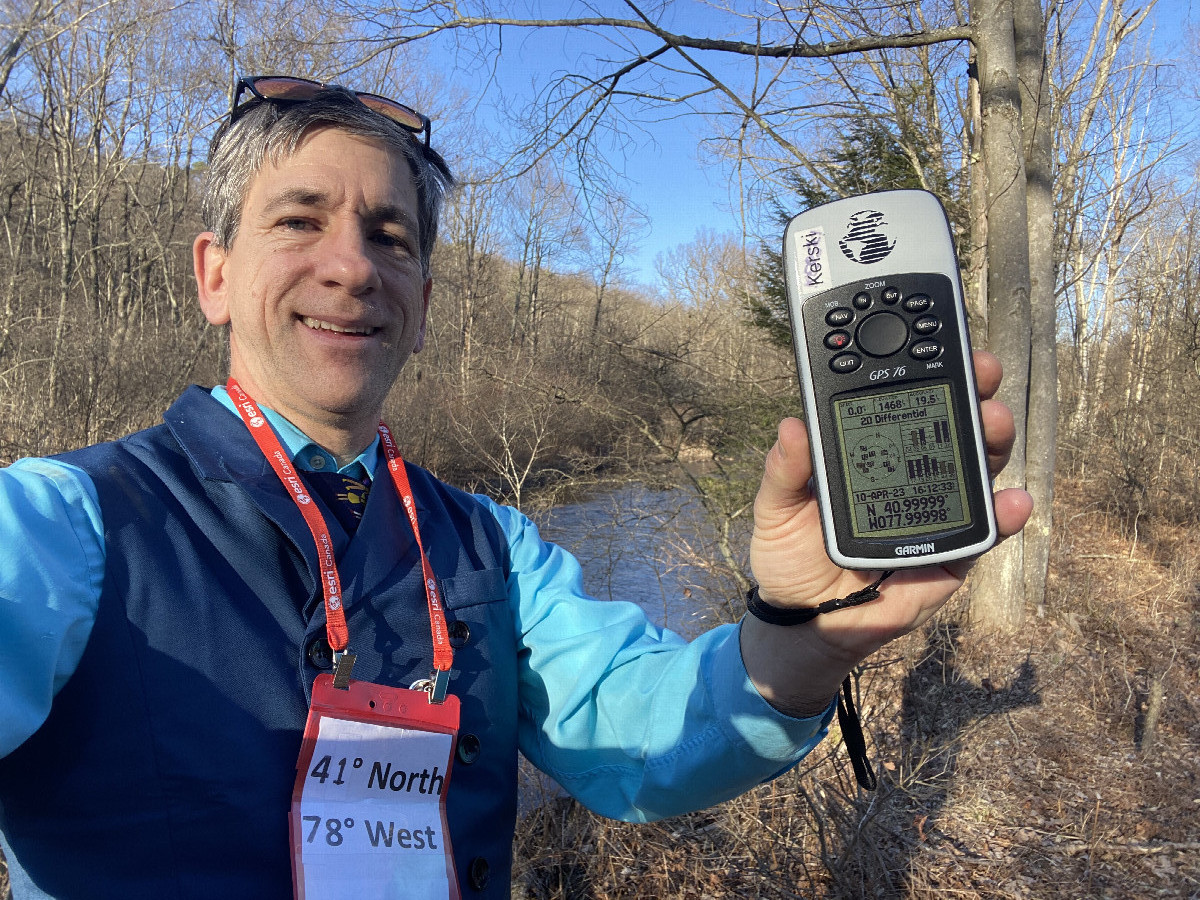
814,261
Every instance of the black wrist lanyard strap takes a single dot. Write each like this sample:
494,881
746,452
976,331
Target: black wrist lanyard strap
852,734
847,712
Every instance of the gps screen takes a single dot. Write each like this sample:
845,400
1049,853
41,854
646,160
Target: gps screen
901,460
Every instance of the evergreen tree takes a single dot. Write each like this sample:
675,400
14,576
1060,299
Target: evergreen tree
868,158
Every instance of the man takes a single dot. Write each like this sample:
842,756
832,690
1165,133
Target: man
167,605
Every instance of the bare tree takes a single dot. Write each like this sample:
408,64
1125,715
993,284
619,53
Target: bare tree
546,231
757,108
999,599
1098,87
468,268
967,91
101,145
613,227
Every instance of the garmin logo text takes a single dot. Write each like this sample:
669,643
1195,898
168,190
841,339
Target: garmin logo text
814,262
914,549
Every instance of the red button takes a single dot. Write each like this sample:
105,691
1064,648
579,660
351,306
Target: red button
836,340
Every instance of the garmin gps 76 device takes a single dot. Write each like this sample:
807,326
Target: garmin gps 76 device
884,358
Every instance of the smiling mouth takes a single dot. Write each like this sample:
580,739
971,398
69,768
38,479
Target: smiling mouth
321,325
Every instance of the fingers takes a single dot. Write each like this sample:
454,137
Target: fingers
999,430
988,372
999,433
1013,509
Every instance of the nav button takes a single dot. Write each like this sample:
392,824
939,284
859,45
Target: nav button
844,363
839,316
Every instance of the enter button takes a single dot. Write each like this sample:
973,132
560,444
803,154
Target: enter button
925,350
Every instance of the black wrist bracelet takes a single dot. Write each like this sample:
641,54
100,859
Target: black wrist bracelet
774,615
847,713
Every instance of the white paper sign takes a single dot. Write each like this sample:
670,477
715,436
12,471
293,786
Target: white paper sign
371,816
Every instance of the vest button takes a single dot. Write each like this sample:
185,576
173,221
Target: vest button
468,749
479,873
460,633
320,654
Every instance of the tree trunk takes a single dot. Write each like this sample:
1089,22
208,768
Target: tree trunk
977,305
998,601
1042,434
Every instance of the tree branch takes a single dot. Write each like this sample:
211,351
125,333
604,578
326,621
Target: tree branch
789,50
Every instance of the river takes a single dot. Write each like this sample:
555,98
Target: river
648,545
643,544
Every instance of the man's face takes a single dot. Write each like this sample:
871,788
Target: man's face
323,287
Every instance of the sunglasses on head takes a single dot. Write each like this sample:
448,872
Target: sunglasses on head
288,89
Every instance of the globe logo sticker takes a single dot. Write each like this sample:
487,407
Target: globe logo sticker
867,242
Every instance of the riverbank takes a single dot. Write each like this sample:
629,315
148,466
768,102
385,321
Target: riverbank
1059,762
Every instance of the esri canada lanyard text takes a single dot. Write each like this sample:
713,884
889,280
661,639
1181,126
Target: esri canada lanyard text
331,586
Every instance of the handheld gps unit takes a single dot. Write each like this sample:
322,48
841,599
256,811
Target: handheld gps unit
884,358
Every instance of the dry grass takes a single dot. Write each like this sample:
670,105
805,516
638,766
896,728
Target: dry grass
1059,762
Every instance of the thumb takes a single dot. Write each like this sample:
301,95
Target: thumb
785,483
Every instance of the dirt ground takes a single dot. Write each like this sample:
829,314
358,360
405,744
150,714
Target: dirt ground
1057,762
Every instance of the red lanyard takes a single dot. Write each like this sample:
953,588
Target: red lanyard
331,585
443,653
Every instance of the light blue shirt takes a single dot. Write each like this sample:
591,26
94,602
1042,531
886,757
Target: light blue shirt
52,559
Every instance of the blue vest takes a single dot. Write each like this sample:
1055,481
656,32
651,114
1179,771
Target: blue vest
166,767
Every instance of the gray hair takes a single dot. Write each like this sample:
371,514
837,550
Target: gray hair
272,131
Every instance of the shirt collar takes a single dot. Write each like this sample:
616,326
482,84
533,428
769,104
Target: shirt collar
306,454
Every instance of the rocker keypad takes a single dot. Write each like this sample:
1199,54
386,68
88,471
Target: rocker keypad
883,333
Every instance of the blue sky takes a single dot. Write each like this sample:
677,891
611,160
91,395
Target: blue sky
659,160
680,193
